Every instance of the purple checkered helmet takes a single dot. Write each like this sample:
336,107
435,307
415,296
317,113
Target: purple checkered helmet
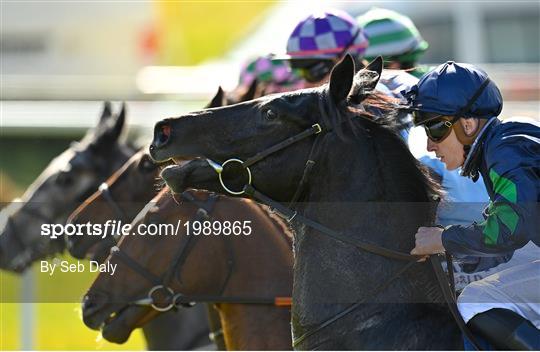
326,35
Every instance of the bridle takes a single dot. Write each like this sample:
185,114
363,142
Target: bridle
107,195
162,284
446,283
20,242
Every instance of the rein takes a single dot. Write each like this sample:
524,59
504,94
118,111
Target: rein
107,195
177,299
289,214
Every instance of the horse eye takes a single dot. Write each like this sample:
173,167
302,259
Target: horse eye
64,179
271,115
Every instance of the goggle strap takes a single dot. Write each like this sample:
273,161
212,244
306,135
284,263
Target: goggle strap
472,100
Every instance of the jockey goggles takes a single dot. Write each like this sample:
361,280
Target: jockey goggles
437,126
314,70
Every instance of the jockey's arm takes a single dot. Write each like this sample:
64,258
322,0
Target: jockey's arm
512,216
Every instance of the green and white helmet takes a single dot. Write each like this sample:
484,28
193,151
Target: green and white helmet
392,36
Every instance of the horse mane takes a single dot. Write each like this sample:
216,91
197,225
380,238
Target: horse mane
377,116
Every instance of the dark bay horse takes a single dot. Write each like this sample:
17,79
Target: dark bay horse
254,267
69,179
364,183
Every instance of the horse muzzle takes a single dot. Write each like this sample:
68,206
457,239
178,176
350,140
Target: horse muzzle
162,137
93,312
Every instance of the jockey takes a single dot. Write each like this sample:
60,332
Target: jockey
458,106
394,37
274,76
319,41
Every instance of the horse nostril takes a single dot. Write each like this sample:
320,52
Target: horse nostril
92,303
162,134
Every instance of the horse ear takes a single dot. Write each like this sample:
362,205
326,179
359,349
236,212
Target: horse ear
366,80
106,112
377,67
108,131
341,79
217,100
250,93
118,126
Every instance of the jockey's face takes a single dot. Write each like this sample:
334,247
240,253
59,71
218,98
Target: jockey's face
450,151
314,72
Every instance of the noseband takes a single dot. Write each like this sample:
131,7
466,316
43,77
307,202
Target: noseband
107,195
35,245
174,299
313,130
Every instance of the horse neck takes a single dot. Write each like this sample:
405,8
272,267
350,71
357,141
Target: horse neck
374,175
360,197
266,275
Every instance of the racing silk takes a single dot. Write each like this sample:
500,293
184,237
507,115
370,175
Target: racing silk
507,155
464,199
392,83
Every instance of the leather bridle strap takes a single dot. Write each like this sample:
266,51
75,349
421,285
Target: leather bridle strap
177,299
290,214
310,163
450,297
106,193
444,283
313,130
16,236
135,266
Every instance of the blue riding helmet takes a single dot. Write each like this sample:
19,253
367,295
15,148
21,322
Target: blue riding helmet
455,89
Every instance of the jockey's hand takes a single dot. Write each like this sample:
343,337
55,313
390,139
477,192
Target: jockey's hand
428,241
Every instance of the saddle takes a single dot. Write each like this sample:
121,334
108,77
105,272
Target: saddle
502,329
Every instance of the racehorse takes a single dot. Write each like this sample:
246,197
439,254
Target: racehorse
121,197
69,179
358,197
136,183
227,269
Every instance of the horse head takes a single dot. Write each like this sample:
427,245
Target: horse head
241,131
120,197
204,266
68,180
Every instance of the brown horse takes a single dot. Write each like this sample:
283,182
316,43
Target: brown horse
121,197
225,269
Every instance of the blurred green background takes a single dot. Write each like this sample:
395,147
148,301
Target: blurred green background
186,33
57,325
